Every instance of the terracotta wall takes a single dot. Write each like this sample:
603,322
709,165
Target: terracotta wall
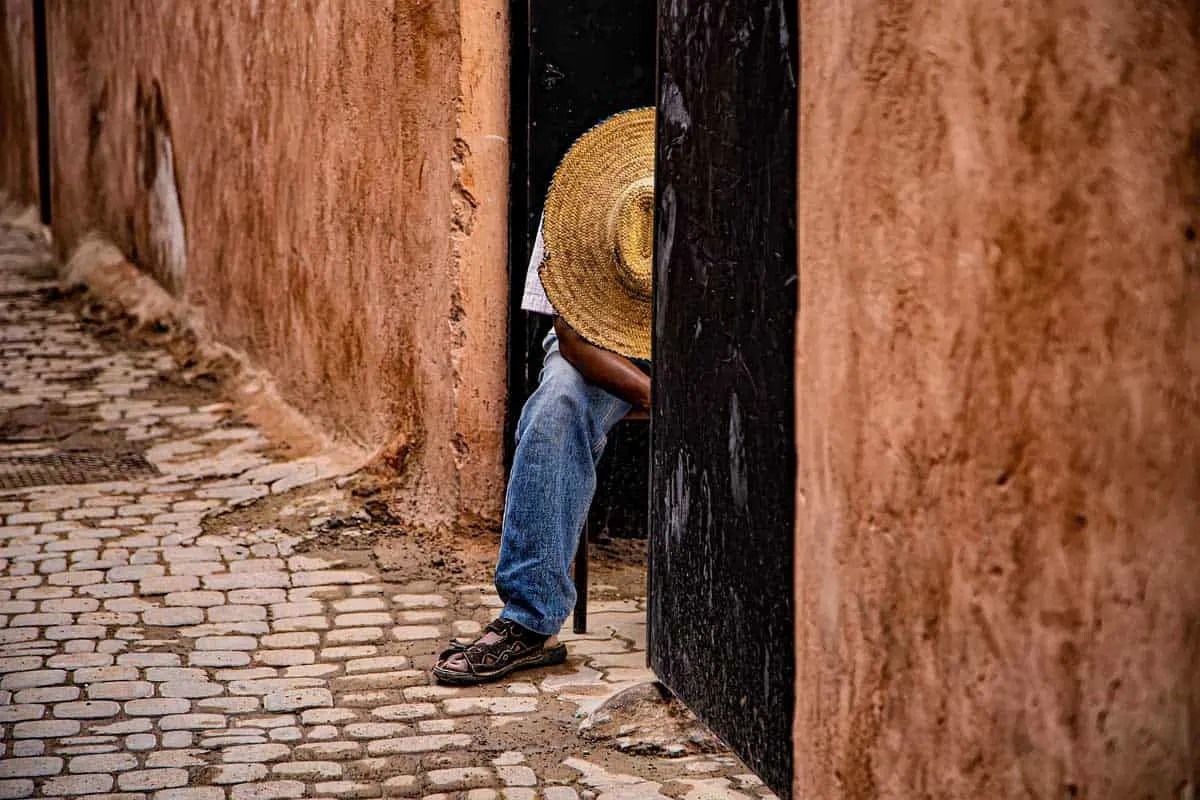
998,382
327,185
18,102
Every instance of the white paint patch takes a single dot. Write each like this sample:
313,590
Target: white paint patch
168,240
738,482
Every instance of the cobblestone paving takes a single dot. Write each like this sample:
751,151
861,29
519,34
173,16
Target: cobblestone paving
142,658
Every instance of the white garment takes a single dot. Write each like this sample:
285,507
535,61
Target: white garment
534,298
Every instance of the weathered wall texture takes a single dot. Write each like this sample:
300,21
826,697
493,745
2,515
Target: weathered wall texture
998,382
18,102
327,186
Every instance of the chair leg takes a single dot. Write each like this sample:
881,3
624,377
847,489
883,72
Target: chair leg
581,582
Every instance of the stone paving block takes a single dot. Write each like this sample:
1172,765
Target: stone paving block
110,762
63,632
144,660
196,599
15,789
136,572
459,778
173,739
329,577
20,663
241,613
288,734
359,604
21,712
168,585
408,633
190,689
516,775
105,673
172,673
362,618
138,742
255,753
347,790
418,744
25,680
150,779
30,767
218,658
377,664
310,623
70,785
333,751
191,722
183,759
191,793
39,620
173,616
327,716
285,658
409,601
405,711
298,699
226,643
291,640
157,707
87,709
47,694
229,705
120,690
247,580
456,706
515,793
350,636
257,597
401,786
308,770
268,790
26,748
347,652
45,729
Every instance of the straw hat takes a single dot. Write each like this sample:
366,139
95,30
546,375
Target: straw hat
599,234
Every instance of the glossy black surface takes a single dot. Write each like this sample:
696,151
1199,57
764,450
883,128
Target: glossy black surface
722,511
574,63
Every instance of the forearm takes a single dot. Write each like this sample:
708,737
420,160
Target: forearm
611,372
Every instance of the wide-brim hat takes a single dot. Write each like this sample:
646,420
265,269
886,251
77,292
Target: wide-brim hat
598,232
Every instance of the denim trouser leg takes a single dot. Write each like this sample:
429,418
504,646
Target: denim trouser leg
560,436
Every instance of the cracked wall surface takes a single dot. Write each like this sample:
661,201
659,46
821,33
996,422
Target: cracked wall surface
298,176
997,400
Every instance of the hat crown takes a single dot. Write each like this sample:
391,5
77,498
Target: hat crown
631,228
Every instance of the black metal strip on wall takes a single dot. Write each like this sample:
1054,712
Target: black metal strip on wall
41,67
722,454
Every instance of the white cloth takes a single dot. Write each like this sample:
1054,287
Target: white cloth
534,298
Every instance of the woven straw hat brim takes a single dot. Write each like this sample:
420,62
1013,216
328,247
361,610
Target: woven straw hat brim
580,271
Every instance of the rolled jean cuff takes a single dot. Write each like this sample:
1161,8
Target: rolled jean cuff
530,622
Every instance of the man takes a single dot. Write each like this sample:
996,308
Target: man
591,270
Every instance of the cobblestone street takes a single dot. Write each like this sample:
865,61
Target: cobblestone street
143,655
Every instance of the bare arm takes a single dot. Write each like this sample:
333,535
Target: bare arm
611,372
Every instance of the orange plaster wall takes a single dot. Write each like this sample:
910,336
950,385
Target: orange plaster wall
299,176
998,400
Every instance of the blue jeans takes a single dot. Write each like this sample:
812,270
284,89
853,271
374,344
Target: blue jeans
560,436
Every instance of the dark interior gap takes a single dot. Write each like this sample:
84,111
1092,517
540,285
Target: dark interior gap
41,66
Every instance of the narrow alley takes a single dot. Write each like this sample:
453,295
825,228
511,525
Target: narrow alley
183,614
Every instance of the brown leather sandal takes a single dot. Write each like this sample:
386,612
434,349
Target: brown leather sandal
503,648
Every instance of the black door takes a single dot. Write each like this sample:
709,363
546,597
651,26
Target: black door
722,473
574,62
